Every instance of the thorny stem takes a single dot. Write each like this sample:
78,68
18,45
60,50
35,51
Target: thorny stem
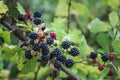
68,17
70,74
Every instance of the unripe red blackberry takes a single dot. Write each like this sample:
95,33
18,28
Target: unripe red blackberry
28,15
101,67
95,61
110,73
111,57
53,35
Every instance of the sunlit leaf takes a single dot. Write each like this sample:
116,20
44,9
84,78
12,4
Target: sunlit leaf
114,19
98,26
20,8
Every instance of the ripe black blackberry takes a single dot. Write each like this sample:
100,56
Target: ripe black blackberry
57,52
45,58
93,55
66,44
74,51
28,54
69,63
61,58
104,58
21,17
57,64
32,42
36,47
37,13
50,41
45,51
37,21
33,35
44,45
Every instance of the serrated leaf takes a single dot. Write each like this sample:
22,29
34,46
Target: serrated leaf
97,26
3,8
113,18
82,9
30,65
59,26
20,9
103,41
116,47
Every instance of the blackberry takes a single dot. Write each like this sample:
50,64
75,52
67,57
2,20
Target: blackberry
55,53
66,44
62,58
53,35
45,51
50,41
69,63
93,55
44,45
52,55
32,42
21,17
37,13
33,35
36,47
57,64
101,67
104,58
111,57
37,21
28,54
45,58
74,51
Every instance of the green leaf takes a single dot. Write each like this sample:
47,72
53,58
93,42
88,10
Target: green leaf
114,19
3,8
103,41
103,73
20,9
98,26
1,64
62,8
30,65
116,47
113,3
59,26
81,9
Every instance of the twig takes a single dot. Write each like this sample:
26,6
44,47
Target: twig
68,17
36,73
18,34
70,74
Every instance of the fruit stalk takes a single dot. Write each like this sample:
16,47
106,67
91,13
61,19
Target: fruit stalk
70,74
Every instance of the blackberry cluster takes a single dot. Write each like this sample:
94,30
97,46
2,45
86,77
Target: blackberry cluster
69,63
50,41
104,58
93,55
28,54
74,52
33,35
66,44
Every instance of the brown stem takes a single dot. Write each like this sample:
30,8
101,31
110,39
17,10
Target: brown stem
70,74
68,17
18,34
36,73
